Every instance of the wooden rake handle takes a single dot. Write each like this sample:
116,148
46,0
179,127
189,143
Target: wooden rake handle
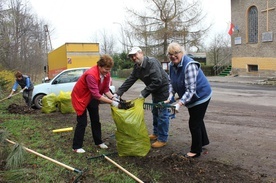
50,159
124,170
8,97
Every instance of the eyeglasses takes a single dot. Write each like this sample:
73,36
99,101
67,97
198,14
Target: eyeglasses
173,54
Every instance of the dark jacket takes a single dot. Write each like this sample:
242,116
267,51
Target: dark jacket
153,76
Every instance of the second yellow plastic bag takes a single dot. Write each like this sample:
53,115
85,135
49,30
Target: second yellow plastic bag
65,104
49,103
132,134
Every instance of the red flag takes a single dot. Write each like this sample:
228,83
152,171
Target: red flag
231,30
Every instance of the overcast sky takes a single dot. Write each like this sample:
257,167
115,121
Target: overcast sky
77,21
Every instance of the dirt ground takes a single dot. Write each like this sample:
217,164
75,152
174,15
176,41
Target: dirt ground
242,134
242,131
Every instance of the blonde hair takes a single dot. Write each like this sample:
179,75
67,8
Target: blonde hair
175,47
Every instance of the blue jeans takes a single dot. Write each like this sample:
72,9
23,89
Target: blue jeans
161,122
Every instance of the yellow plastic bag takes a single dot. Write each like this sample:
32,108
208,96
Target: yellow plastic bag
49,103
132,134
65,104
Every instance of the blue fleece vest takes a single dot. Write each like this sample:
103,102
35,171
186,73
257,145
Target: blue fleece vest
177,76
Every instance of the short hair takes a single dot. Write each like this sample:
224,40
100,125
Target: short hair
105,61
175,47
18,74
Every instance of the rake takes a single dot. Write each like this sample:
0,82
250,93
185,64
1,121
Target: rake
117,165
161,105
9,97
80,173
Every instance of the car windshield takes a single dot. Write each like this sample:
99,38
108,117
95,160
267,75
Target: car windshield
69,76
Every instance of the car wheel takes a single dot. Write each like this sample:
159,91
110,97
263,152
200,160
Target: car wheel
38,101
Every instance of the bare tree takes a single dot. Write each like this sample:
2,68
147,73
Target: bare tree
165,21
106,40
22,39
219,50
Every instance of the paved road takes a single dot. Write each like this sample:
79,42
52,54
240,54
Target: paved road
229,89
240,122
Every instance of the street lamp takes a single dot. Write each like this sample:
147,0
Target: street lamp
123,37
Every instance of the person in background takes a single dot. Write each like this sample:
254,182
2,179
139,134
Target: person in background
194,91
86,95
26,85
150,71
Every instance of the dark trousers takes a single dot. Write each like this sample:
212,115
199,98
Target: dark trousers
197,127
27,95
93,110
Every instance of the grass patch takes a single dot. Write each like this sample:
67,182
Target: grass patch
34,131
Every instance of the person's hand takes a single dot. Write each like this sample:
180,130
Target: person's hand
10,95
116,97
115,104
170,99
177,106
23,89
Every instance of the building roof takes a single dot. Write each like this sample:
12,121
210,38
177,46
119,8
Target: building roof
197,55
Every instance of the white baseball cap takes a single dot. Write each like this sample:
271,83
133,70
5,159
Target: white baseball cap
134,50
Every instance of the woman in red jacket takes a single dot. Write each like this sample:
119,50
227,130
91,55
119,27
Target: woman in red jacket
86,95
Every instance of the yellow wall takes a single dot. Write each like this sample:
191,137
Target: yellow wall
82,60
72,55
263,63
82,47
56,62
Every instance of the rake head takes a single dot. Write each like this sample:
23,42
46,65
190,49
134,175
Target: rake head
101,156
161,105
16,157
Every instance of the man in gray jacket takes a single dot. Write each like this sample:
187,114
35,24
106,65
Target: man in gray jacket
150,71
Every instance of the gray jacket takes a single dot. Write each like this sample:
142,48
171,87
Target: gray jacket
153,76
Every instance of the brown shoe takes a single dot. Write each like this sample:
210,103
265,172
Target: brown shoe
153,137
158,144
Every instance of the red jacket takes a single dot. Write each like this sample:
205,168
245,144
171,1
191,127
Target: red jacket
84,92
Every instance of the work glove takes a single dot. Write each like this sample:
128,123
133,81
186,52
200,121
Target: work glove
116,98
141,96
177,106
115,104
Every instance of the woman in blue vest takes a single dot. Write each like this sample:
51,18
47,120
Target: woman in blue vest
194,91
26,85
